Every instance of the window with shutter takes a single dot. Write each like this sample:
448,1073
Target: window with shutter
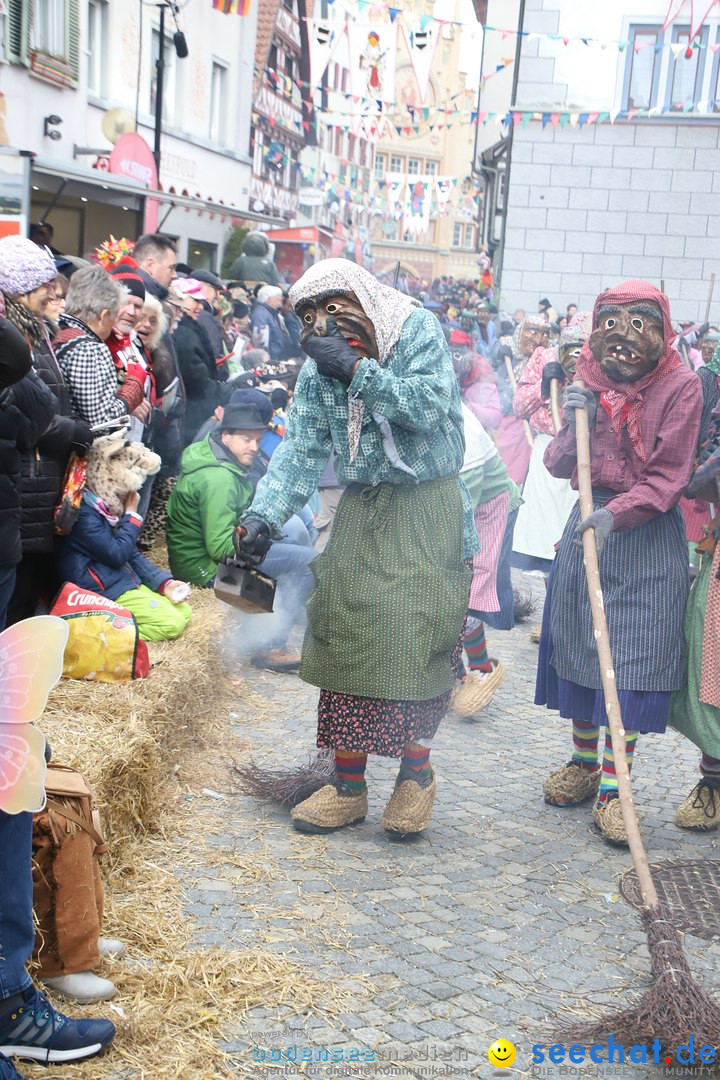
55,40
17,32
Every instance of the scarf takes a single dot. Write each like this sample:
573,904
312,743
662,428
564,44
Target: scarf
387,309
624,402
101,506
714,364
29,325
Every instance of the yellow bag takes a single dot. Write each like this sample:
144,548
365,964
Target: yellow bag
104,644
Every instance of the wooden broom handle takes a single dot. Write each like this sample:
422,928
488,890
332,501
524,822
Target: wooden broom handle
555,404
607,672
513,385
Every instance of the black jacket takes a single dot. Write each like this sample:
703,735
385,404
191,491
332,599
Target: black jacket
203,391
211,326
42,469
26,409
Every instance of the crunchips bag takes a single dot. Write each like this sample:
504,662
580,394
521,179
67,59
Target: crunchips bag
104,643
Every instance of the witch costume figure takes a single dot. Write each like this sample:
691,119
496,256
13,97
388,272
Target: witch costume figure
392,585
644,413
695,708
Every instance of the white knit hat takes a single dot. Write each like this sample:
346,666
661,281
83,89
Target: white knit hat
24,266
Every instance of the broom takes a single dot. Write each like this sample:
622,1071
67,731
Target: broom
675,1008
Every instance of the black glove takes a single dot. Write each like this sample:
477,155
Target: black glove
579,397
553,370
702,330
82,437
252,541
332,354
602,522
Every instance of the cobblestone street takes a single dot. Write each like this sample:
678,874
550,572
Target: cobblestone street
503,916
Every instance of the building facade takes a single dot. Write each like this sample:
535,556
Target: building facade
592,202
78,75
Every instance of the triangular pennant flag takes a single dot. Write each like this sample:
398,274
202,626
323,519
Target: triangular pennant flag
372,61
527,117
592,117
545,119
393,13
324,37
564,117
676,48
421,45
555,119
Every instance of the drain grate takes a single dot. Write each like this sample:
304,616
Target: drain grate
691,890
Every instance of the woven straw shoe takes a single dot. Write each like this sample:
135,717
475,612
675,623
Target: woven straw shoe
330,808
701,809
410,807
609,820
571,785
477,691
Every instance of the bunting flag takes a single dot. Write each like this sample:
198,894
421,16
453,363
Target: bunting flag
421,44
443,190
372,60
417,208
324,37
232,7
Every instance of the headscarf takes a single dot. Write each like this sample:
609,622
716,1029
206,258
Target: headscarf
578,329
625,401
529,320
714,364
387,309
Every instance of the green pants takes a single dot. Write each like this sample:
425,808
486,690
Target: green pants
157,617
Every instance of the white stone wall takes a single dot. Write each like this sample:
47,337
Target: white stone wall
594,206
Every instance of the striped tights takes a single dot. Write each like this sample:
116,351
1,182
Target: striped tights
586,737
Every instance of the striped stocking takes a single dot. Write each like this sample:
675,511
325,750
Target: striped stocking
608,781
585,744
350,768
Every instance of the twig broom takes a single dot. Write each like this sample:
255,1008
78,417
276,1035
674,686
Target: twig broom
675,1008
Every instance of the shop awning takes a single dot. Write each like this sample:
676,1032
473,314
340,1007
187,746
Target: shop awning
303,234
73,174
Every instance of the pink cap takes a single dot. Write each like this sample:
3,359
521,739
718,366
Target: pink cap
188,287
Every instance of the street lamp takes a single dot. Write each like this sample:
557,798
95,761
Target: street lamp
181,51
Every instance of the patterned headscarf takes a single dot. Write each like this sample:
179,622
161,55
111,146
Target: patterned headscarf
387,309
578,329
625,401
714,364
529,320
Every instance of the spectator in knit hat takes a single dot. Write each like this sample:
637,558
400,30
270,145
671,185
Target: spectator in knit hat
27,274
156,257
92,305
203,389
126,352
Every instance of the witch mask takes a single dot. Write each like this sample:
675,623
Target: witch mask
351,320
628,340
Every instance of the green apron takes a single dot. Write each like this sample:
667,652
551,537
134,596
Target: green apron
391,593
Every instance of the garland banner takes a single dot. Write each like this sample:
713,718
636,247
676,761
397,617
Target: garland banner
373,51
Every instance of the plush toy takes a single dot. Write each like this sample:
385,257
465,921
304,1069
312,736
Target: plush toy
100,555
116,467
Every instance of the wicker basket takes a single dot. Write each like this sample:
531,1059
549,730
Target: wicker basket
477,691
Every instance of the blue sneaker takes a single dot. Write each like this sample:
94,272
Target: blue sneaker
8,1070
34,1031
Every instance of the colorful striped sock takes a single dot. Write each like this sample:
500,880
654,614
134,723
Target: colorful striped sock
350,768
608,780
585,744
476,649
710,766
415,764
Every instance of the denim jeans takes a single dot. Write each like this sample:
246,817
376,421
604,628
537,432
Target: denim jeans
288,562
17,933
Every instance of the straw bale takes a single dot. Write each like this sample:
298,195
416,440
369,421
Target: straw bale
125,737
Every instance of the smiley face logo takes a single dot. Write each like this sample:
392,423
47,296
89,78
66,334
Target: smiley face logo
502,1054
